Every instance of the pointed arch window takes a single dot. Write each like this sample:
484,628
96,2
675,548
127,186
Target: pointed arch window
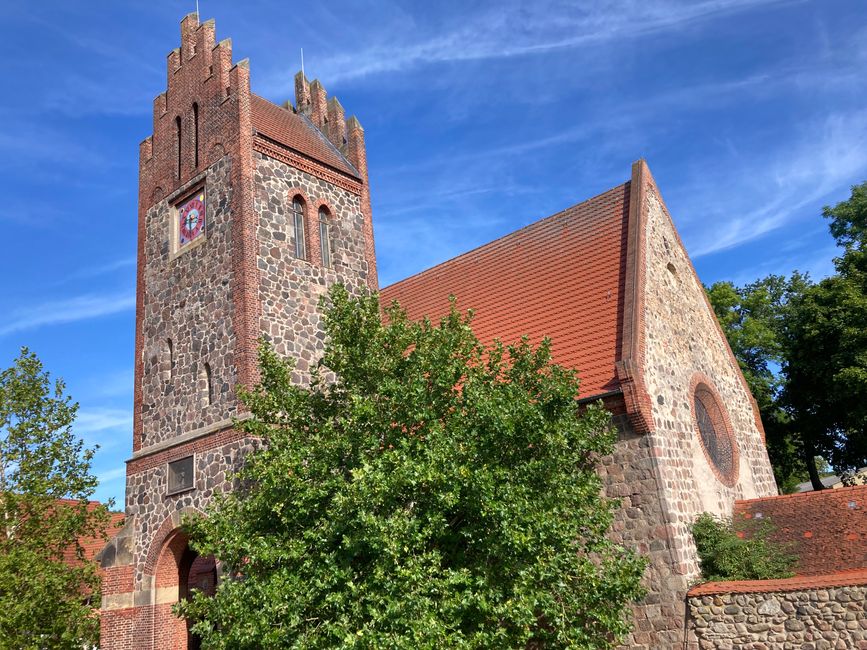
178,134
298,225
167,360
195,135
325,237
206,385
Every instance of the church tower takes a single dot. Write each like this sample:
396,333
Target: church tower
247,213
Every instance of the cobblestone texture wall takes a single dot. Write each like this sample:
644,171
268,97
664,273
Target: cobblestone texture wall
630,474
682,339
149,505
819,619
188,301
290,288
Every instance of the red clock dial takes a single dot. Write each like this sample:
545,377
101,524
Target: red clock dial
191,219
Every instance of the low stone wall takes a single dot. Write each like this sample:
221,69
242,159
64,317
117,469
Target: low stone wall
813,614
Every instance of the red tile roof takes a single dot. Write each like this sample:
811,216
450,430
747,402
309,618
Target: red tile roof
828,528
296,132
93,545
560,277
798,583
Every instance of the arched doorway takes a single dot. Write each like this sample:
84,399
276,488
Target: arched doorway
180,571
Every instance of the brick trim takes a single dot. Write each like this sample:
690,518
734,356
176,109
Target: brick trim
630,364
197,445
290,157
699,384
798,583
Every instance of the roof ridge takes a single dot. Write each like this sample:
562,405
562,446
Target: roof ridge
501,238
812,494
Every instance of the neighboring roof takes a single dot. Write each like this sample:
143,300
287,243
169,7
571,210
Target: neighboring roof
560,277
93,545
827,481
798,583
297,132
827,529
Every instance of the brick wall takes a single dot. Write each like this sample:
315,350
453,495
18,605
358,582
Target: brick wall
827,529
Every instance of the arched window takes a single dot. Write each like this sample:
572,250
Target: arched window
195,135
206,385
167,360
325,237
178,133
298,225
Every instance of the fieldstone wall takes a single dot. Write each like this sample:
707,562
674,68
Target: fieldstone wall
630,475
815,619
188,301
290,288
149,505
683,342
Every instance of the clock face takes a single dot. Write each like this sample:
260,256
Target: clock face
191,218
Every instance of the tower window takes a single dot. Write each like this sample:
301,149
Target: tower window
325,237
167,360
298,224
178,133
195,135
206,385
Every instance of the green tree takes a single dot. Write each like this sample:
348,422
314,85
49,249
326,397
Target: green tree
433,493
44,597
740,550
752,318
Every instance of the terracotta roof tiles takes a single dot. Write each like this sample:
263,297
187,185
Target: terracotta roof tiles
560,277
297,132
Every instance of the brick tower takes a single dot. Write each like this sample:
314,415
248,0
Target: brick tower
247,212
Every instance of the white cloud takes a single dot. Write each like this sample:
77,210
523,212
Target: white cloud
95,420
70,310
510,31
829,155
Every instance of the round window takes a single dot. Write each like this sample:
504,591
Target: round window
715,434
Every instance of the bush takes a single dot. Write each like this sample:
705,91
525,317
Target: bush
740,550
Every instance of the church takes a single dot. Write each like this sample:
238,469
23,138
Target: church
247,213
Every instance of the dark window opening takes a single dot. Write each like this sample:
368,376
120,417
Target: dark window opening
178,133
298,225
196,135
325,237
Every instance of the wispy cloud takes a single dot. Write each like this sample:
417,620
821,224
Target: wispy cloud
513,31
829,155
70,310
95,420
101,269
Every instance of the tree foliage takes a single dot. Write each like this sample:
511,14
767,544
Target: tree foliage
740,550
803,350
433,493
44,598
752,318
825,339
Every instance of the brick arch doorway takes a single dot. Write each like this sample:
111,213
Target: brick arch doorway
179,572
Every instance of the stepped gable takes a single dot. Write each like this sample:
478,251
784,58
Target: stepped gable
562,277
284,126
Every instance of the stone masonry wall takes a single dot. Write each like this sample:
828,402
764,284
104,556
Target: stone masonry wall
149,505
812,619
630,474
290,288
188,300
682,342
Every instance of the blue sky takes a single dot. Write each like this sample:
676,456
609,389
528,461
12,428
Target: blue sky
479,118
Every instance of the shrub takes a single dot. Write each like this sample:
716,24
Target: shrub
740,550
